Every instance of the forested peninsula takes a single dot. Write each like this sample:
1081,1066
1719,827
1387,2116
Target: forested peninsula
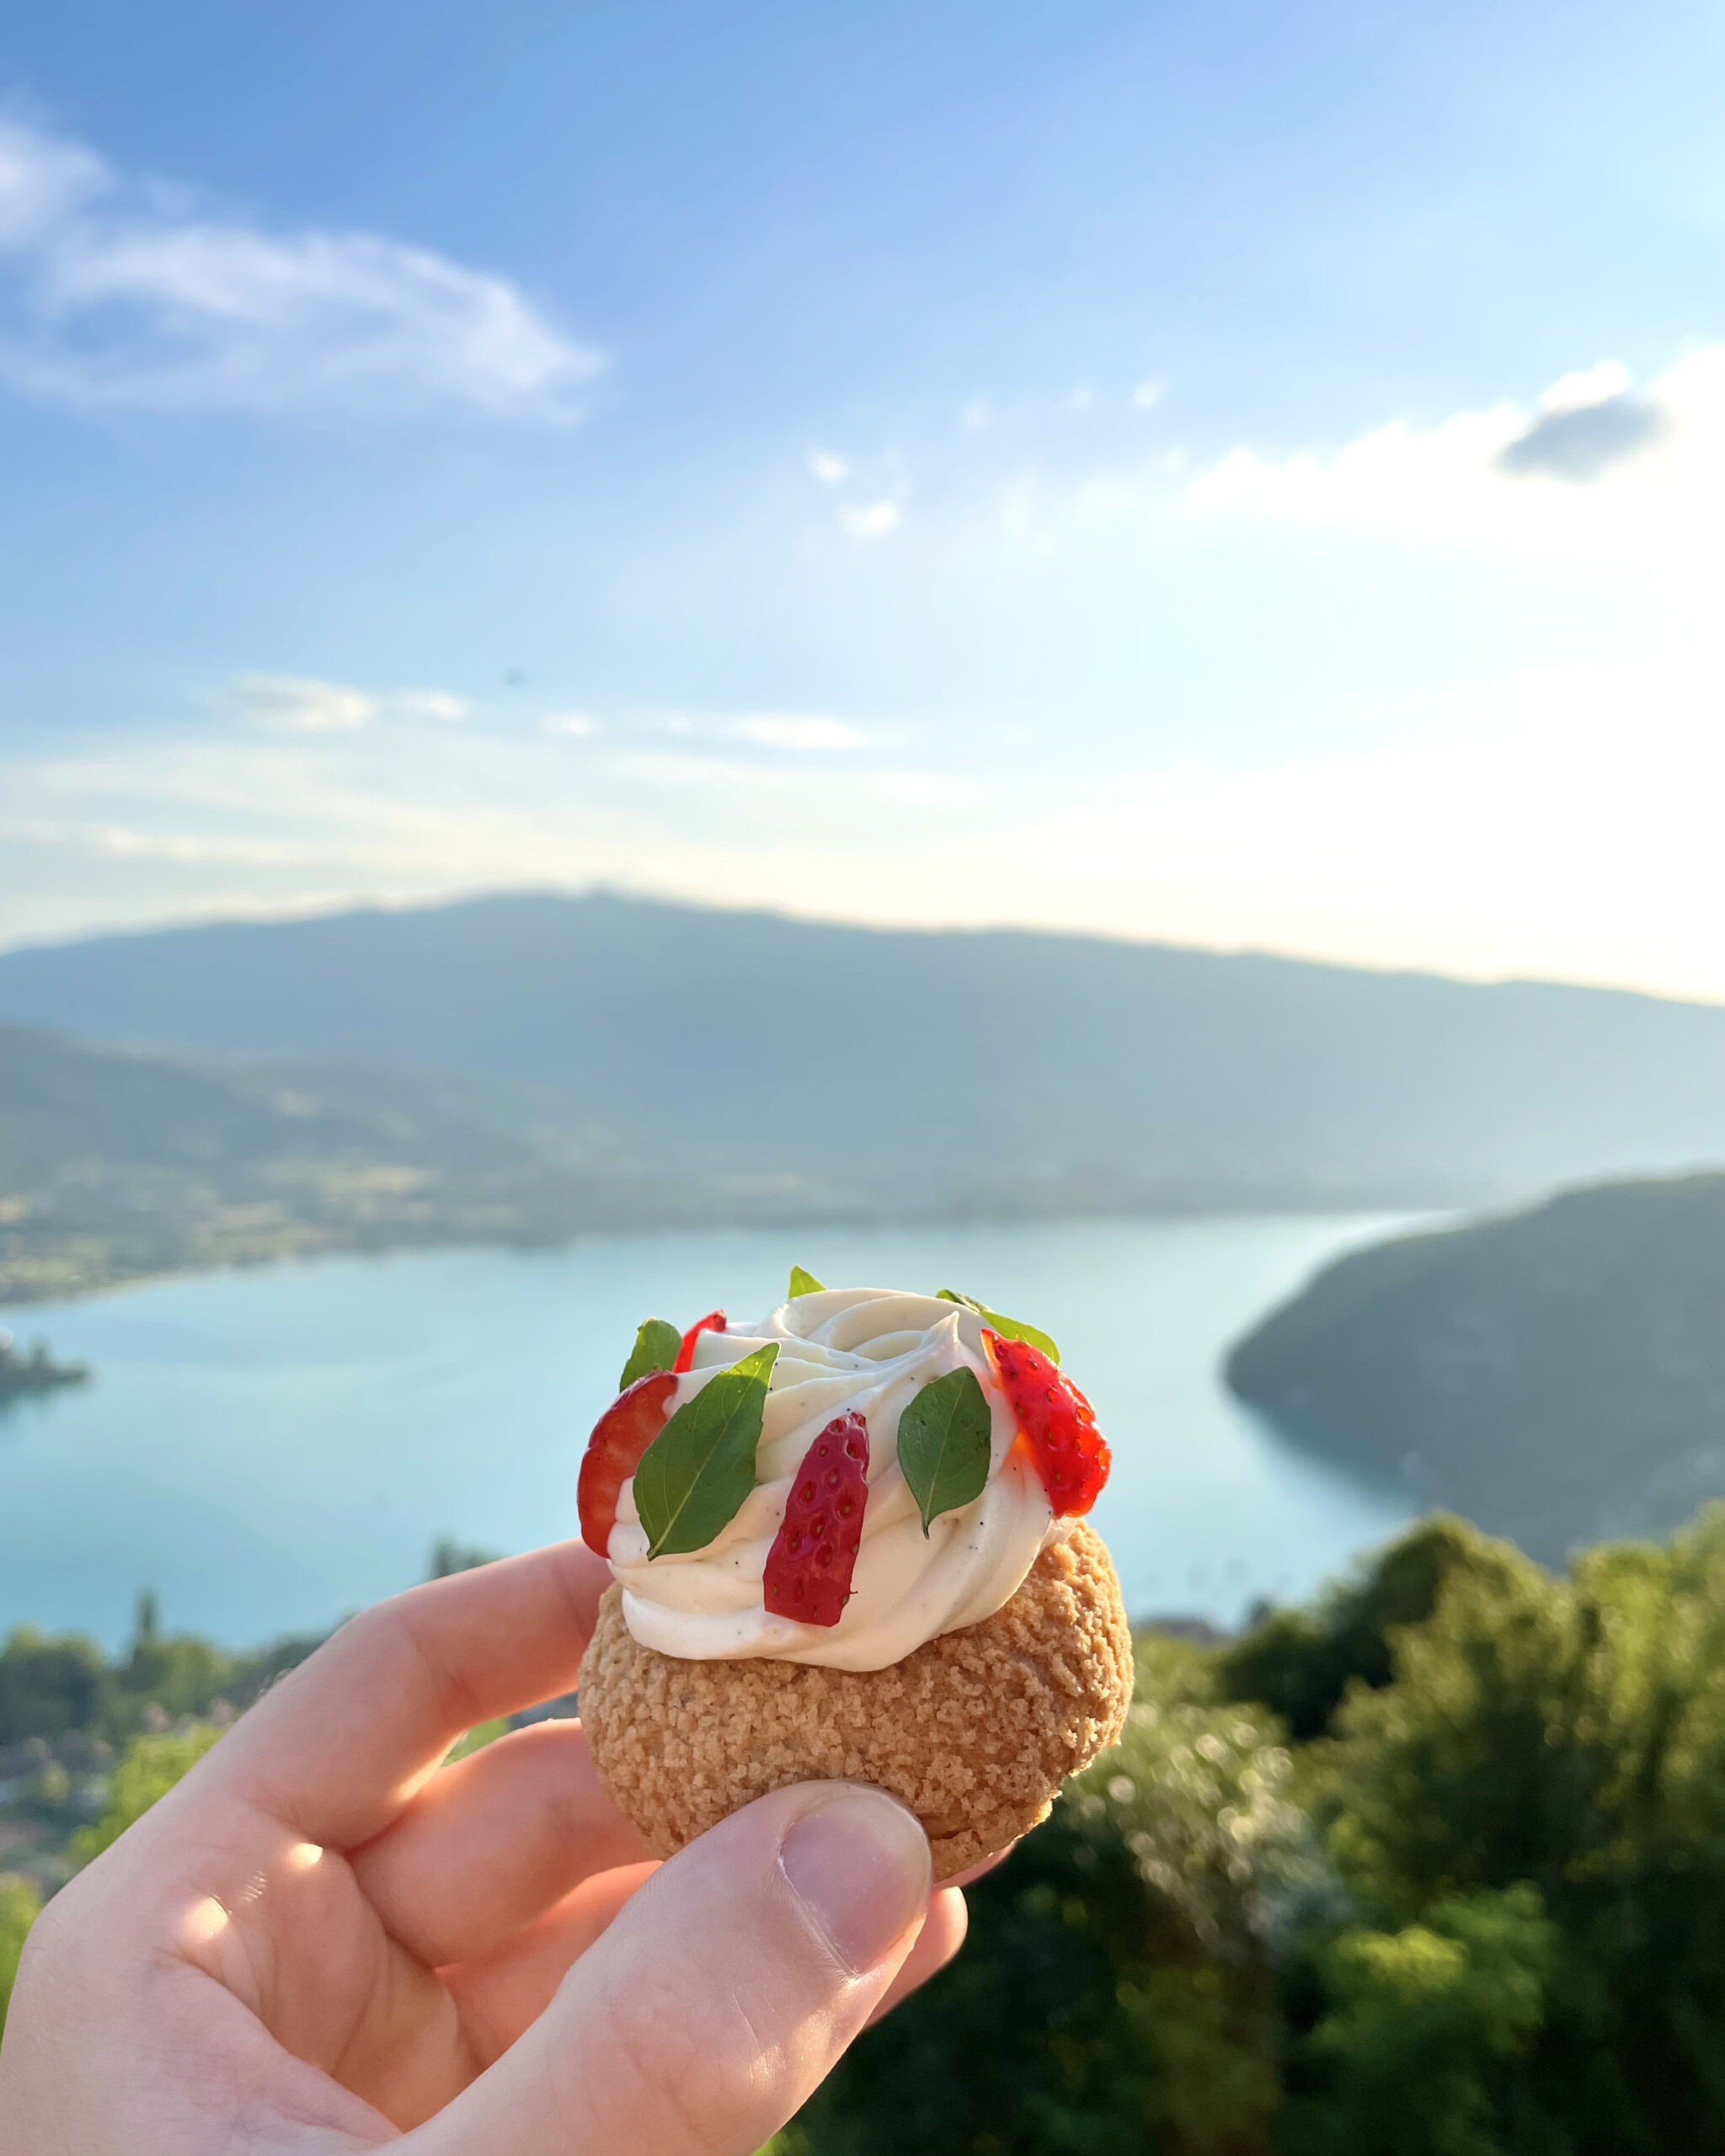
1557,1374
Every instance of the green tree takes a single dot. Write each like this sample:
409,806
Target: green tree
20,1905
149,1769
1301,1662
1410,2056
50,1686
1568,1734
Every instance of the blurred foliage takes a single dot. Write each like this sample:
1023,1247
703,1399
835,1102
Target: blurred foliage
54,1686
477,1738
148,1769
50,1686
20,1905
1420,2028
449,1556
1301,1661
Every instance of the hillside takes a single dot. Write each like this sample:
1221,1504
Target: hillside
1558,1375
115,1164
963,1071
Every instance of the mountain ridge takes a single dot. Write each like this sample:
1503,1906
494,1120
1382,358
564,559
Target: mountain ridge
199,924
984,1069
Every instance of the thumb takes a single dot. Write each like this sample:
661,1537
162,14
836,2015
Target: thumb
719,1997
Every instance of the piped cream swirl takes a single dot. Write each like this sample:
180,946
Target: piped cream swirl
870,1350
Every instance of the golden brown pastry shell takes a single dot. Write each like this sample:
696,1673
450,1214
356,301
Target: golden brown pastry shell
975,1731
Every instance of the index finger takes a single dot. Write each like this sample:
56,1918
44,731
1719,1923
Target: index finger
338,1747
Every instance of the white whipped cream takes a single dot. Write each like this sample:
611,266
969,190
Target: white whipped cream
872,1350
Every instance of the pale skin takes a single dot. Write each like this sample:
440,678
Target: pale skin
325,1941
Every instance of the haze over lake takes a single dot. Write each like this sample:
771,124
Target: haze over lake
268,1449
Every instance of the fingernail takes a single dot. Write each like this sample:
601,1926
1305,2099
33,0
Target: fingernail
859,1864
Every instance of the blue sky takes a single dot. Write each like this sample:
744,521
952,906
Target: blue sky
1239,474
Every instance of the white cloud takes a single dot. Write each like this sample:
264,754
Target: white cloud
1148,393
576,725
185,849
1585,386
977,416
296,703
429,703
300,703
826,467
781,730
872,519
117,299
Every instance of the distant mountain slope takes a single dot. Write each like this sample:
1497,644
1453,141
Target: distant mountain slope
114,1164
1558,1376
980,1071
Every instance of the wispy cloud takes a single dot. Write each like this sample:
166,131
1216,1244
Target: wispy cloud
299,703
829,469
572,725
784,730
872,519
115,294
296,703
429,703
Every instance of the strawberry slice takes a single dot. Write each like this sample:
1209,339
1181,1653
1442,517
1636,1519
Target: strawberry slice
620,1437
808,1568
712,1322
1056,1422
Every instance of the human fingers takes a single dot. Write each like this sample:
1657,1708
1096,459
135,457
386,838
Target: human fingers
338,1747
500,1993
491,1843
939,1939
720,1994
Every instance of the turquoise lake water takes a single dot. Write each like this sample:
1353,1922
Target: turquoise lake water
268,1449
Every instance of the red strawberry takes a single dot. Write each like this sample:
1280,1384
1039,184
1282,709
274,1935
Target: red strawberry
620,1437
712,1322
1056,1421
808,1567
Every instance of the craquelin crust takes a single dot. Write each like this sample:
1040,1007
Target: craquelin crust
975,1731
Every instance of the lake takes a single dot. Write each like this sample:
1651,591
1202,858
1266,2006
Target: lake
269,1450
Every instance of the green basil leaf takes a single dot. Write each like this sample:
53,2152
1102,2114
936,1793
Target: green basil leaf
804,1283
655,1348
1009,1328
695,1474
943,1444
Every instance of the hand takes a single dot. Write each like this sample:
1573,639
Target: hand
323,1941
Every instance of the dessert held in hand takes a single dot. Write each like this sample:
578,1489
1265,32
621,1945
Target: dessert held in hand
848,1541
